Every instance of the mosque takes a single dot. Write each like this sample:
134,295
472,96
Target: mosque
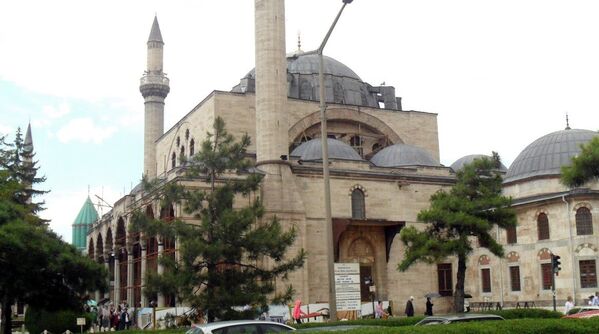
384,166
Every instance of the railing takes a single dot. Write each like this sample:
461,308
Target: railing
160,79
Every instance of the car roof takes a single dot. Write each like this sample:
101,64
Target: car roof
460,316
219,324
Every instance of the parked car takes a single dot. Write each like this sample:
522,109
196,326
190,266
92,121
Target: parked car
240,326
584,312
457,318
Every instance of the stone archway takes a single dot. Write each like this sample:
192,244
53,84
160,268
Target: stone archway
366,133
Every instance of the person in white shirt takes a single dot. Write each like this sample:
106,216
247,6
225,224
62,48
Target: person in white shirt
596,299
569,305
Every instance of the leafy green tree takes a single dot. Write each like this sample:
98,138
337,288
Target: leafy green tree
458,217
232,256
584,167
38,268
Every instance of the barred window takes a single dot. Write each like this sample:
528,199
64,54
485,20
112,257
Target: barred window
445,279
515,278
191,147
588,274
543,226
486,279
358,210
512,237
584,221
547,275
173,160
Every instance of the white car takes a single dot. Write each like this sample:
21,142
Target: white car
239,327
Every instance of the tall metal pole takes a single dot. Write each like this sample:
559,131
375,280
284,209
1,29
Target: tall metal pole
325,173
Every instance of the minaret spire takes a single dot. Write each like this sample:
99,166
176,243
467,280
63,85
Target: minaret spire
154,87
567,122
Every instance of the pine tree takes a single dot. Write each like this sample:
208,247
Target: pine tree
233,256
584,167
456,219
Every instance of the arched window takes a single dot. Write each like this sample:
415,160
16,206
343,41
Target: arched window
173,160
358,206
584,221
356,143
182,154
178,141
187,134
543,226
191,148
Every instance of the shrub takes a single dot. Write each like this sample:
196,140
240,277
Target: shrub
56,322
520,313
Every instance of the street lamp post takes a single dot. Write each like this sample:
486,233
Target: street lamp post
325,171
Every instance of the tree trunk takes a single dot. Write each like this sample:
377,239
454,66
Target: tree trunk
459,286
6,327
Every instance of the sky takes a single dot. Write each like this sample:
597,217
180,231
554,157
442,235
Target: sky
499,74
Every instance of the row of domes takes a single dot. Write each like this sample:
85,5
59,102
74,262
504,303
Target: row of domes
398,155
545,156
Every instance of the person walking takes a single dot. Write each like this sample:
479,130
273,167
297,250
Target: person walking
595,301
429,307
569,305
297,311
410,307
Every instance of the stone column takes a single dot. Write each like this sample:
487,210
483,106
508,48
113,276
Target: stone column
107,266
117,280
160,270
144,299
130,277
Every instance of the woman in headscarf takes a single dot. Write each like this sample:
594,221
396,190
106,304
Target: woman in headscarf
297,311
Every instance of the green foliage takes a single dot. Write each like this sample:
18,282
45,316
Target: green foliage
390,322
232,255
516,326
456,219
56,322
584,167
521,313
38,268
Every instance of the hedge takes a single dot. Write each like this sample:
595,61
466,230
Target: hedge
56,322
520,313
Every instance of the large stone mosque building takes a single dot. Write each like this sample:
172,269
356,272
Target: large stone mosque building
384,166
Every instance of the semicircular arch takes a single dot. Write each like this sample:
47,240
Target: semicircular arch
344,114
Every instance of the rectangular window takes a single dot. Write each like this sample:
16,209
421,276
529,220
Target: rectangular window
515,278
445,282
512,237
588,274
486,279
547,273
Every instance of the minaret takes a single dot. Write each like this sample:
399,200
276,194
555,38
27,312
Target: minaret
271,82
154,87
27,155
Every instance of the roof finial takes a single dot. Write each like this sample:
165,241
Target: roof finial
88,190
567,122
299,41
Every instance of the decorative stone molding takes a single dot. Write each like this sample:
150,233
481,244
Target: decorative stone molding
586,249
538,212
357,186
582,205
513,257
544,254
484,260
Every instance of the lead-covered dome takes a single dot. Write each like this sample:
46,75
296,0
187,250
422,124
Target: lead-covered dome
402,155
312,150
342,84
546,155
459,164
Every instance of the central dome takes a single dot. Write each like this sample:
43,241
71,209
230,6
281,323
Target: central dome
342,85
546,155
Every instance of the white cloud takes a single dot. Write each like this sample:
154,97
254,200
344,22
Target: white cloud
56,112
5,130
84,130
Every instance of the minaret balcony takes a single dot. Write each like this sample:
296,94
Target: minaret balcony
154,85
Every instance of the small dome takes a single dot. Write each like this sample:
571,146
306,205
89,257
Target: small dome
459,164
312,150
546,155
399,155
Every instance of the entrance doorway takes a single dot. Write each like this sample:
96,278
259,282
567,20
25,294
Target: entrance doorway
365,281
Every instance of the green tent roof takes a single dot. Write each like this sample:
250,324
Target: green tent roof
86,217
